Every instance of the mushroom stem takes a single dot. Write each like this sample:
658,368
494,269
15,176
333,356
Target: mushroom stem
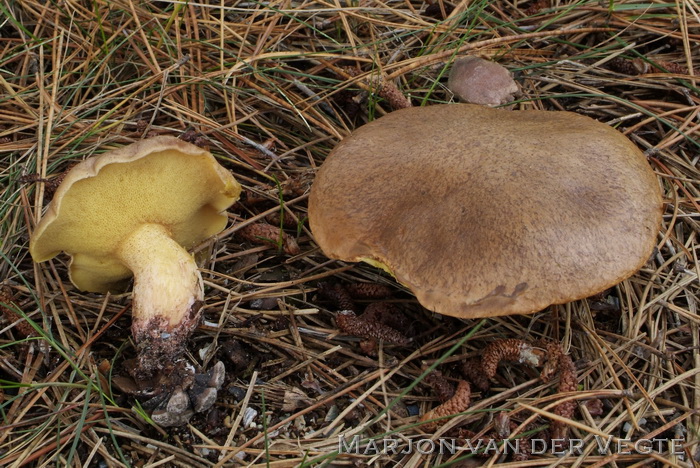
167,295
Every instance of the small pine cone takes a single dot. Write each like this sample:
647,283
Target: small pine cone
567,383
22,326
353,325
458,403
558,363
50,184
263,233
192,136
141,125
554,353
442,388
386,89
287,221
672,67
388,314
368,290
380,312
524,452
461,434
629,67
508,349
338,295
392,94
474,372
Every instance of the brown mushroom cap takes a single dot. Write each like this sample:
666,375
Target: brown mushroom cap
484,212
478,81
161,180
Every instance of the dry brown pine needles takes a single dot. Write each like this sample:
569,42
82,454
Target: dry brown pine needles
79,80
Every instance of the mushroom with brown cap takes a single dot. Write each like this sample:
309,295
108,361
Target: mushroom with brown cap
135,211
484,212
478,81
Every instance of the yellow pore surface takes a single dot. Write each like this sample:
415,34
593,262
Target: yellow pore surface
185,193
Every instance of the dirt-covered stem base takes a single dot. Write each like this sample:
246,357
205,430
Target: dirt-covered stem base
167,296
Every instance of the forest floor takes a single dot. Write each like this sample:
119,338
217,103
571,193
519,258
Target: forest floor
270,89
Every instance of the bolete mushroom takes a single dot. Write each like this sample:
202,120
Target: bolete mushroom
484,212
478,81
135,211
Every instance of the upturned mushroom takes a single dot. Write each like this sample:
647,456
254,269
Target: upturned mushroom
135,211
484,212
